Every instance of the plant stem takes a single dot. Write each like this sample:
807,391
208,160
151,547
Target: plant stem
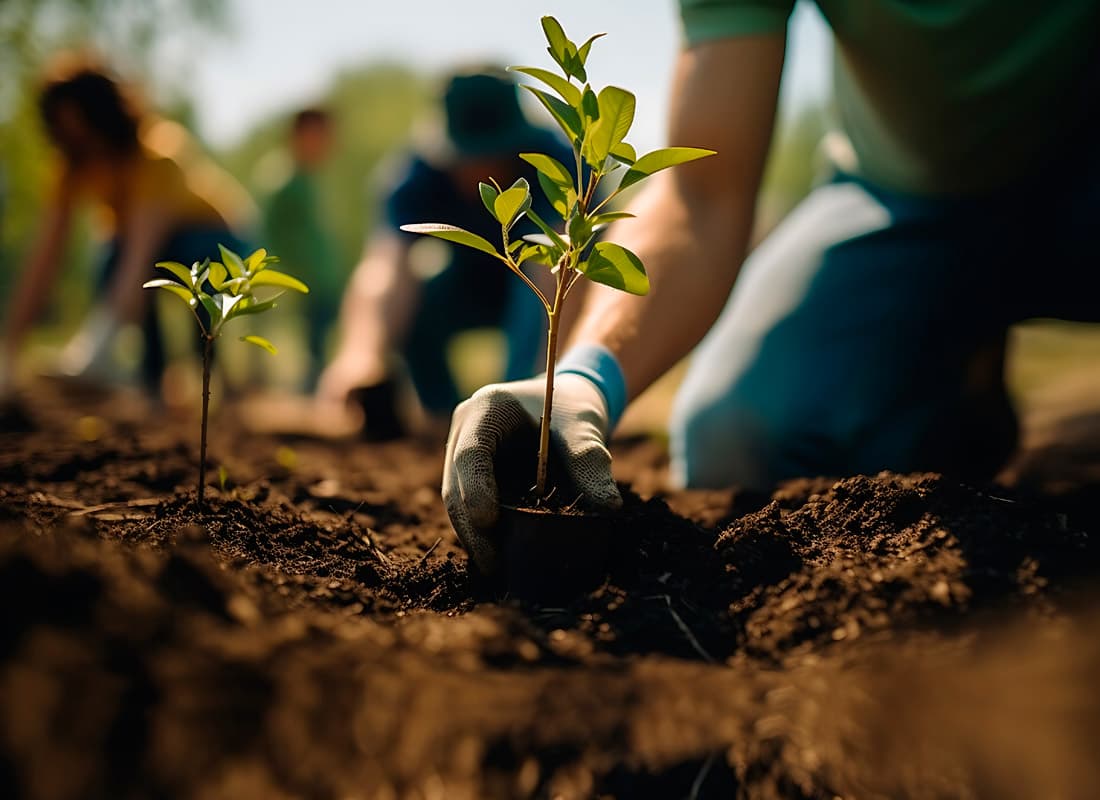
207,353
548,397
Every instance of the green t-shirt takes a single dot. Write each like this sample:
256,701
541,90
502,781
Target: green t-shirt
294,231
942,96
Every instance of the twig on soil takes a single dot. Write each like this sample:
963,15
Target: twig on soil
142,502
697,784
365,533
684,629
431,550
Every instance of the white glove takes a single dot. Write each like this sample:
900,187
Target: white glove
88,353
497,428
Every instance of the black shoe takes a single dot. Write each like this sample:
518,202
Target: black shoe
381,420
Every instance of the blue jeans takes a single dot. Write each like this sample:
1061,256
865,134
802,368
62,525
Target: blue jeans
185,245
452,302
867,332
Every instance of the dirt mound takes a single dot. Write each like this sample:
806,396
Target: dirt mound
316,634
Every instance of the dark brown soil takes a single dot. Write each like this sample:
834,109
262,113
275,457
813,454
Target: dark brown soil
318,634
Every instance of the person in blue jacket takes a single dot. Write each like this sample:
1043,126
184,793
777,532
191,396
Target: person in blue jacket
396,309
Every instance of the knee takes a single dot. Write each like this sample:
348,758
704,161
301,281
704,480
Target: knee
726,443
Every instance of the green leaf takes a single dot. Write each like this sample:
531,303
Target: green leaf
177,269
560,200
582,51
573,64
610,216
590,105
260,342
454,234
226,303
616,112
569,93
617,267
488,196
564,114
240,285
616,117
512,202
580,231
624,153
249,306
202,273
232,261
545,254
270,277
659,160
256,260
218,275
553,234
170,286
550,167
212,310
556,38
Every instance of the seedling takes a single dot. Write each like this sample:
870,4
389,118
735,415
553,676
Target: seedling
234,281
596,123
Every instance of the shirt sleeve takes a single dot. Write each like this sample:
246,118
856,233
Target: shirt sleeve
706,20
413,196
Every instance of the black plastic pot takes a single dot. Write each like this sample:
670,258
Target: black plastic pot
549,556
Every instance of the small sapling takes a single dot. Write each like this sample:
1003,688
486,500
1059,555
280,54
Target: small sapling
596,123
234,281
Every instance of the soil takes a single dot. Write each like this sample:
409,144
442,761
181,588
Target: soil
317,633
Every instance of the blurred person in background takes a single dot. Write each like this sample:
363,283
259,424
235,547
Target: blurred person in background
394,306
294,230
867,332
156,198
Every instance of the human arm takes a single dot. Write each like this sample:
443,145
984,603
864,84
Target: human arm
40,268
693,223
691,231
375,312
88,352
147,228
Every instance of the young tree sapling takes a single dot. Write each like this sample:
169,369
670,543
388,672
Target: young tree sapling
596,123
234,281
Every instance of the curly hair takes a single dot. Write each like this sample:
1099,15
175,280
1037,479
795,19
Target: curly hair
99,99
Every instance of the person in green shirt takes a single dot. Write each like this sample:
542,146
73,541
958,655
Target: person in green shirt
867,331
294,229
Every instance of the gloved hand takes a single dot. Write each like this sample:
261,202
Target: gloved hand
88,353
485,428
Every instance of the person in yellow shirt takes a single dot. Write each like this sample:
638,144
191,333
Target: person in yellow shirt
156,196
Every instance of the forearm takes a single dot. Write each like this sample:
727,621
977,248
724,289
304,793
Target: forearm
692,258
140,244
37,278
692,223
378,302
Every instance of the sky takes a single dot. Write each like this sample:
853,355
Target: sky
280,54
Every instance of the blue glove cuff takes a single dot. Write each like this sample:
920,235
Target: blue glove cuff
596,363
